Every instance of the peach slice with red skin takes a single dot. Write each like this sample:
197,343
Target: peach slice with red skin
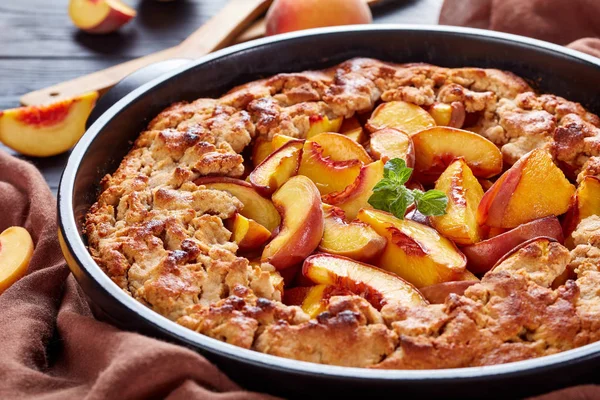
391,143
356,196
100,16
277,168
355,240
321,124
341,148
482,256
452,115
256,207
248,234
436,148
534,187
313,299
16,250
47,130
584,203
377,286
414,251
400,115
301,230
279,140
464,194
261,150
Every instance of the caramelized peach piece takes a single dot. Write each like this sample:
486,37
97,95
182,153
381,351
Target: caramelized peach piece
279,140
584,203
390,143
464,194
358,135
46,130
16,250
350,124
378,287
329,176
313,299
437,147
355,240
301,230
256,207
482,256
248,234
400,115
414,251
321,123
534,187
452,115
277,168
437,294
261,150
341,148
356,196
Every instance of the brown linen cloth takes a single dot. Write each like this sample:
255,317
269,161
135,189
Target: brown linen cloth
50,345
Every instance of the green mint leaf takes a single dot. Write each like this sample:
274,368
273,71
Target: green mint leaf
384,184
433,202
397,171
381,199
399,205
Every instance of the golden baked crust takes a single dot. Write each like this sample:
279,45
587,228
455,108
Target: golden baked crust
161,237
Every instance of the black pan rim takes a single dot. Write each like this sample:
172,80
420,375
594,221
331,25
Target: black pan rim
75,245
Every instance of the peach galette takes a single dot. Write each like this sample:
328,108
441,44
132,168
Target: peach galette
367,215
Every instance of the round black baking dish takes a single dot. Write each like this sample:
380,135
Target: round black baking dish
547,67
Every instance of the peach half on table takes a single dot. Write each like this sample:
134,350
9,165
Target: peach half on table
301,230
464,194
16,250
256,207
389,143
534,187
46,130
100,16
277,168
400,115
377,286
414,251
355,240
437,147
584,203
247,233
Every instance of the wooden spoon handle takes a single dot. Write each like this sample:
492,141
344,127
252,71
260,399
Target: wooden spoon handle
218,32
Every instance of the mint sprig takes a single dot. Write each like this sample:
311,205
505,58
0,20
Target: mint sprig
390,194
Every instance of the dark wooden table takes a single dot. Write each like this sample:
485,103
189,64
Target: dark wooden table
40,46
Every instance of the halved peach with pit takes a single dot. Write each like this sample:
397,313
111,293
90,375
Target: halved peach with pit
437,147
277,168
414,251
378,287
16,250
387,144
584,203
534,187
248,234
400,115
341,148
322,123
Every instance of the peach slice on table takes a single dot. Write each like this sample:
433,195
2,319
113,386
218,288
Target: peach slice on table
437,147
400,115
248,234
378,287
464,194
584,203
391,143
47,130
262,149
329,176
414,251
341,148
452,115
321,124
482,256
301,230
16,250
277,168
534,187
437,294
256,207
100,16
356,196
355,240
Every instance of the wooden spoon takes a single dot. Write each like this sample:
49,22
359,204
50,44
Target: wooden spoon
217,33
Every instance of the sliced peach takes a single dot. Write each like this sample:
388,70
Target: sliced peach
358,135
279,140
437,147
391,143
256,207
262,149
301,230
321,123
341,148
378,287
464,194
100,16
484,255
248,234
350,124
277,168
329,176
47,130
400,115
16,250
452,115
437,294
534,187
356,196
584,203
414,251
313,299
355,240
